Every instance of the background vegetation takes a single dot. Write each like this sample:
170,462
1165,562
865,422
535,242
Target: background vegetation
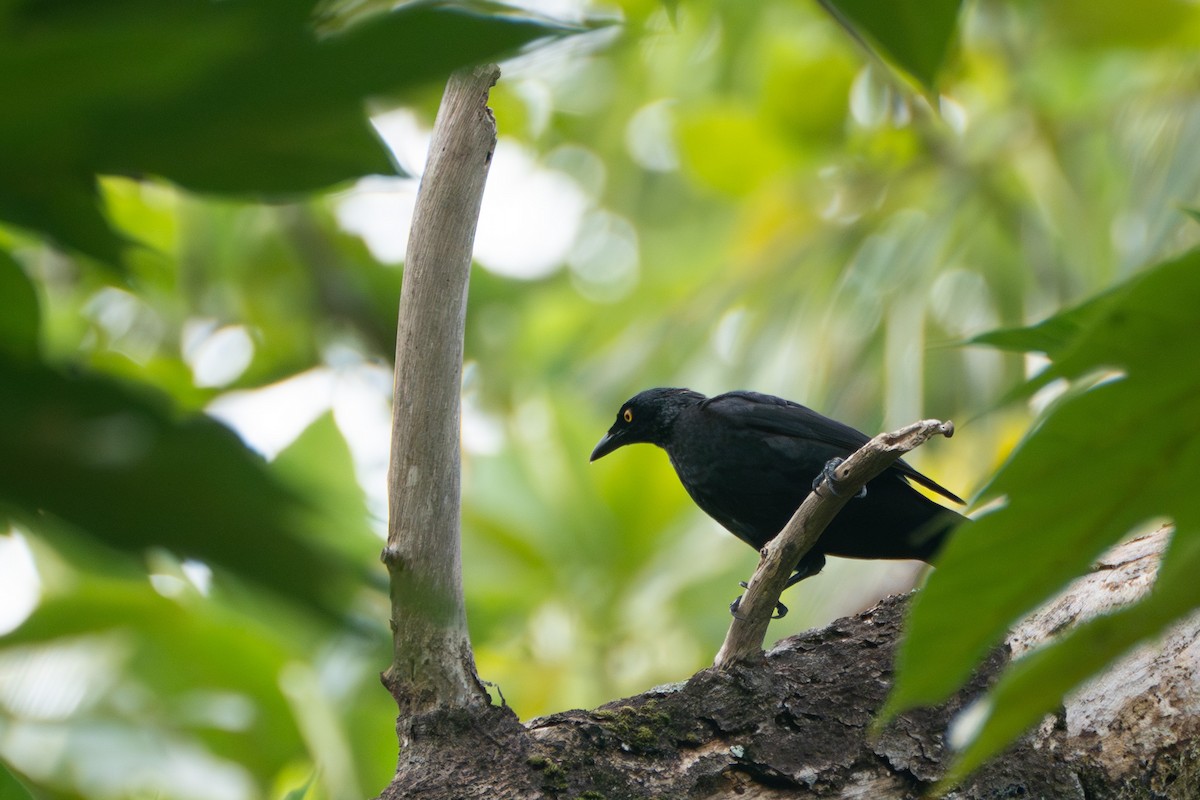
714,194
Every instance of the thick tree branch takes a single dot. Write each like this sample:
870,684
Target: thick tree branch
796,723
433,665
744,640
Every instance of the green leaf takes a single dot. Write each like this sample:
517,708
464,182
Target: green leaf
1144,423
10,787
230,97
1051,336
914,35
995,571
58,202
116,462
1035,685
319,465
21,319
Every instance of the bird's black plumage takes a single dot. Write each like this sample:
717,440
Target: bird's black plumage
749,460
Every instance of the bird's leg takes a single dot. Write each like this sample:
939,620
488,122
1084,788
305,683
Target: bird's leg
829,475
780,609
810,565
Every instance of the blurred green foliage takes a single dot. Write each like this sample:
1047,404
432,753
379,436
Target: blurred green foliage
1126,433
764,204
219,97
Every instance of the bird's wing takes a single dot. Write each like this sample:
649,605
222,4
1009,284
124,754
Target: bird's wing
774,415
777,416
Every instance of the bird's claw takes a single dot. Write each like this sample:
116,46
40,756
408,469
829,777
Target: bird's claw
780,609
829,475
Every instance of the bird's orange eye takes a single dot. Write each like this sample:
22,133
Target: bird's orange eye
627,415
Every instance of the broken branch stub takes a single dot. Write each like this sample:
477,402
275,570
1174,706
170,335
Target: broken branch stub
433,665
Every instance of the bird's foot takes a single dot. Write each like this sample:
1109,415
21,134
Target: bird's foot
829,475
780,609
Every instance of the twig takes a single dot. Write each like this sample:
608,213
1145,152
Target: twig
743,642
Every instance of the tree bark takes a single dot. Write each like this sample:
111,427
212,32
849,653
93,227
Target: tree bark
794,723
432,665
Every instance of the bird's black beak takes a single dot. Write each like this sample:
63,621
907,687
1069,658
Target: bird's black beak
610,442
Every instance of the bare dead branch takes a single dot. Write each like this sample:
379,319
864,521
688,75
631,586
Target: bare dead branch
433,665
743,642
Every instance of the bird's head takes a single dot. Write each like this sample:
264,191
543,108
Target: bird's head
646,417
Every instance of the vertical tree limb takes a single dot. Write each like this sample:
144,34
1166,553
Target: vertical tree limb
743,641
433,665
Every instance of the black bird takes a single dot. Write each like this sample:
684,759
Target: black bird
749,460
